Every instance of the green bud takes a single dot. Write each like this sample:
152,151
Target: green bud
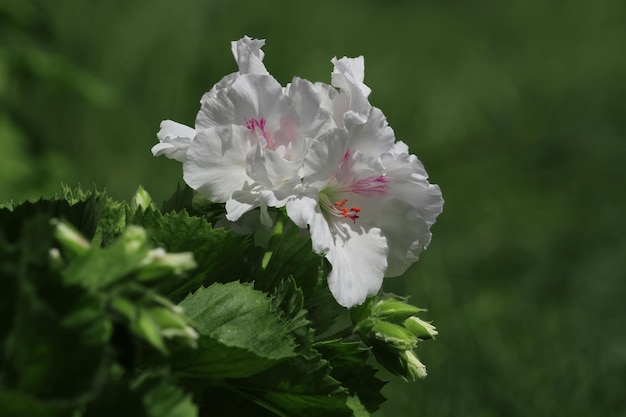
394,310
420,328
402,363
146,327
394,336
55,258
173,324
364,327
134,239
154,324
141,199
70,238
414,368
158,263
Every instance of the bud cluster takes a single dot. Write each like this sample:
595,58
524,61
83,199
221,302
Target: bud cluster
148,314
390,326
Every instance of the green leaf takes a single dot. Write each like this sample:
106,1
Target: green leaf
221,255
298,387
349,365
288,254
240,333
100,268
289,300
166,400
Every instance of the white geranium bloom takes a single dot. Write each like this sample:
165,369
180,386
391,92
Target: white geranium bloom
322,151
368,206
252,137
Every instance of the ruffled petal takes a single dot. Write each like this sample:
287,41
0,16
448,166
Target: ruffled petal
249,96
372,137
359,261
410,184
313,103
409,209
174,139
305,212
348,75
324,155
249,56
216,162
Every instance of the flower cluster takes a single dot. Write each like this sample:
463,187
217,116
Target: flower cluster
391,328
322,152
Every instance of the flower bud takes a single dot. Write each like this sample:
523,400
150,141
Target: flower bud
141,199
158,262
420,328
134,239
173,324
394,310
414,368
70,238
394,336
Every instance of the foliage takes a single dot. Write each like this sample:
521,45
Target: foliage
115,308
516,108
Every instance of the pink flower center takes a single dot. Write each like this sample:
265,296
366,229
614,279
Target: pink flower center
258,126
364,186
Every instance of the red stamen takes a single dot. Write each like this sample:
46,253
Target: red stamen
253,124
345,212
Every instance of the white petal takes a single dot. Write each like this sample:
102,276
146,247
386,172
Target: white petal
216,162
304,211
407,235
358,257
374,137
406,212
324,155
359,260
348,75
410,184
267,168
172,129
174,139
222,84
256,96
249,96
249,56
313,103
216,109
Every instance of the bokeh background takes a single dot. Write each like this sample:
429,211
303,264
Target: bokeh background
516,108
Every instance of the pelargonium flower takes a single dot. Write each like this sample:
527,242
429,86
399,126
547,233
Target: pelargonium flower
251,136
368,205
326,154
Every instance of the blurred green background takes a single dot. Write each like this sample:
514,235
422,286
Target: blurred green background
516,109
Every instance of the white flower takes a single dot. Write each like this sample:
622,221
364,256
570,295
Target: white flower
368,206
252,139
328,155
